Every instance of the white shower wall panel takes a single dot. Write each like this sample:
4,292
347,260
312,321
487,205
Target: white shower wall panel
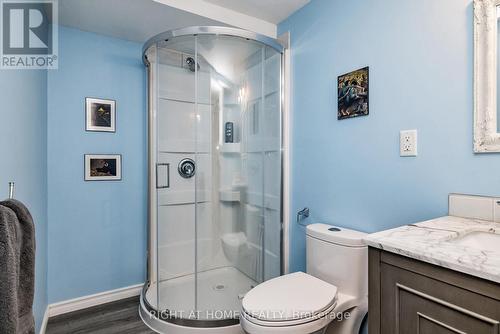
264,179
253,77
271,123
254,163
178,83
182,190
272,248
272,81
272,179
262,125
254,219
176,235
178,230
183,126
230,219
229,168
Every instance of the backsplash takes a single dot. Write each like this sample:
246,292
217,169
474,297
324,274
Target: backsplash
474,207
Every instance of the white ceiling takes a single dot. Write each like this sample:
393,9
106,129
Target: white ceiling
138,20
135,20
273,11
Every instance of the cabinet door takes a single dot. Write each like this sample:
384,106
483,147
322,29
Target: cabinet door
416,304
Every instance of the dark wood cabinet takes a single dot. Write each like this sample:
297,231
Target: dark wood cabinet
407,296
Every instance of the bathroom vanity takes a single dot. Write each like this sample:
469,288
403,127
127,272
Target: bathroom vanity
435,277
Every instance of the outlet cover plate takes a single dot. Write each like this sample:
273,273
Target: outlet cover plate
408,143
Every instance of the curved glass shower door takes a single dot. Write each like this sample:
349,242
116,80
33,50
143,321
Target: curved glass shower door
217,175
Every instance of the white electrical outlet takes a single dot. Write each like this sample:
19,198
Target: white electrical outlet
408,143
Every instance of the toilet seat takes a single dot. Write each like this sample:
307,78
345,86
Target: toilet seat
290,300
288,323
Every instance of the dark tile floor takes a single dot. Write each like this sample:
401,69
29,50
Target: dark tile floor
113,318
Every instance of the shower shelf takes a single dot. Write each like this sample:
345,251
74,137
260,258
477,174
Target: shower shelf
230,148
229,195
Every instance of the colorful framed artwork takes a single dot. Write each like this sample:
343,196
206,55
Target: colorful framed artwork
103,167
100,115
353,94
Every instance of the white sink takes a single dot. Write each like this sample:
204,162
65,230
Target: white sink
487,241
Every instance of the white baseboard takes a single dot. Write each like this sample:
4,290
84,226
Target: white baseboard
92,300
45,320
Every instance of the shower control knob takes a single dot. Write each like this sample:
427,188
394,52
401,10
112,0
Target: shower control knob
187,168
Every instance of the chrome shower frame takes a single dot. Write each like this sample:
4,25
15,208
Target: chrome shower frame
158,319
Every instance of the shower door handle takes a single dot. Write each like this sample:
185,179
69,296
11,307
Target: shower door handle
162,175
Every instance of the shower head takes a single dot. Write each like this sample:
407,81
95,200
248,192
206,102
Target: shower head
191,63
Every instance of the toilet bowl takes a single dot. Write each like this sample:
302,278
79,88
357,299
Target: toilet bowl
332,297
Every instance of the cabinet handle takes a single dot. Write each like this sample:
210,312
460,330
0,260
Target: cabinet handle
162,175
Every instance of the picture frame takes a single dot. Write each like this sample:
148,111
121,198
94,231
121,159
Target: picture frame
353,94
100,115
486,88
103,167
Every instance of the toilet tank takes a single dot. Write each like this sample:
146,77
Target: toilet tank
338,256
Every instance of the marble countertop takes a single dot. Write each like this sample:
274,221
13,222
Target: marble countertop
428,241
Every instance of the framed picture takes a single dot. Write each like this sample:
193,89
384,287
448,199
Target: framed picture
353,89
100,115
103,167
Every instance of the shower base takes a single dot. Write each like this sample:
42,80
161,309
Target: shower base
218,290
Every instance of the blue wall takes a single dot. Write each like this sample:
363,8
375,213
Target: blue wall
97,230
420,54
23,137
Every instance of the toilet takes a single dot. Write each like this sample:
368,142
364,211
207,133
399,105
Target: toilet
332,297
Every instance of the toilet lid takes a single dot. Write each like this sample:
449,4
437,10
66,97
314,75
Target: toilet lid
290,297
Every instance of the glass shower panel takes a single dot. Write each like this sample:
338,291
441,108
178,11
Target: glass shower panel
238,178
177,144
262,160
271,155
216,146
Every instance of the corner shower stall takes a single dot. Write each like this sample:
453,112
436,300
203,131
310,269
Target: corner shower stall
215,175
